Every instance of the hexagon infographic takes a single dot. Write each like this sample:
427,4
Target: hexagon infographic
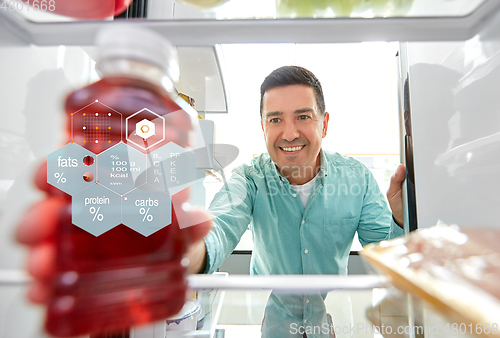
68,168
96,124
115,183
120,167
96,210
171,168
146,209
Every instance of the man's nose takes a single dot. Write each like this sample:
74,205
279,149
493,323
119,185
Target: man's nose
290,131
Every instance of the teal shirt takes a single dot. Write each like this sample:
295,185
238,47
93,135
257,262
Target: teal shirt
291,239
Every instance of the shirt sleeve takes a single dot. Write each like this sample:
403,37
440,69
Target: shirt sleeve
376,223
232,209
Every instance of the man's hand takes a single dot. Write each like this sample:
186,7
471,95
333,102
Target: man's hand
38,228
394,194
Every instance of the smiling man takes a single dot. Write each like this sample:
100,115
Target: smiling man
302,203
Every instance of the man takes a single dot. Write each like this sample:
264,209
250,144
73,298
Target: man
303,204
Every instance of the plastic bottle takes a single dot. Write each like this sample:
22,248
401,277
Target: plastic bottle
88,9
121,278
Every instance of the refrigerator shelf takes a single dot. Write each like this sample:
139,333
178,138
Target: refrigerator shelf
202,32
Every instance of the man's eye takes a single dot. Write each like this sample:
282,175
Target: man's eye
303,117
275,120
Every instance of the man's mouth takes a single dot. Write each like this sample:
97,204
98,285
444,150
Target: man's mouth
292,149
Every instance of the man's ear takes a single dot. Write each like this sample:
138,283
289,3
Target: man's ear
326,118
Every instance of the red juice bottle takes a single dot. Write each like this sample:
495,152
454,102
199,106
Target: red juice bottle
122,278
89,9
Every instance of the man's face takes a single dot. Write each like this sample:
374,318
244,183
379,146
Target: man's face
293,128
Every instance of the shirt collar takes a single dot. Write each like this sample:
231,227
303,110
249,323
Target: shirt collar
323,171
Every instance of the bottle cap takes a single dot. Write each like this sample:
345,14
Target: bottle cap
134,42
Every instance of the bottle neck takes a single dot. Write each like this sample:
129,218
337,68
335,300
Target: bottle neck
138,69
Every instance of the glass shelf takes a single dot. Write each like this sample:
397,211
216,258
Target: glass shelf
284,9
355,306
280,9
365,306
453,20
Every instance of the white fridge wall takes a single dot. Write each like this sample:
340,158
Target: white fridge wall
455,111
34,82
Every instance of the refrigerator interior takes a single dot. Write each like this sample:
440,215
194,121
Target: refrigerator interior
451,65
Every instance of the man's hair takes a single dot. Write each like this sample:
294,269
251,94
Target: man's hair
292,75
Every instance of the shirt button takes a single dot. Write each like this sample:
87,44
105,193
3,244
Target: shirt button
306,251
307,301
303,221
305,321
294,195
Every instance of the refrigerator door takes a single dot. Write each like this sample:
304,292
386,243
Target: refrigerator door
456,126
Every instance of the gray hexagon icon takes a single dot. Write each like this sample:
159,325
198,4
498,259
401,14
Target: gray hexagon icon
171,168
71,168
145,128
120,167
96,210
146,210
